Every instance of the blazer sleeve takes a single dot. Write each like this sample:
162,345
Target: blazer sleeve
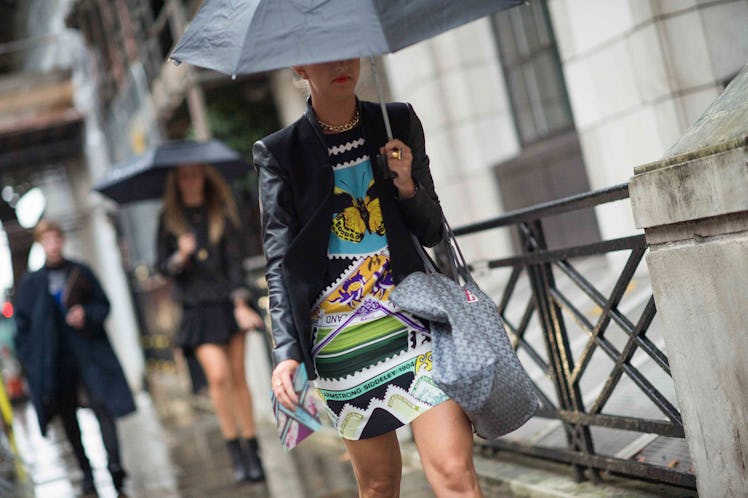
422,212
279,227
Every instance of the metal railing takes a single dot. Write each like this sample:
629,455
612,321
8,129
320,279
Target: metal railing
540,334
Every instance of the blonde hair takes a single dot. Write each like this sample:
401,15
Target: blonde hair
217,199
44,226
300,83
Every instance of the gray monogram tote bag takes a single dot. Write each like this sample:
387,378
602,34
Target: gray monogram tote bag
474,362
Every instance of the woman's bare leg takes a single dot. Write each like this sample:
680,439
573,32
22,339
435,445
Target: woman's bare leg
215,362
242,398
377,465
444,439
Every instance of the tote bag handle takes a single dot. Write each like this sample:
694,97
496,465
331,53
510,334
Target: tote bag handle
455,258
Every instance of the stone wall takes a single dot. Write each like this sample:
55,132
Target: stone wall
693,206
639,73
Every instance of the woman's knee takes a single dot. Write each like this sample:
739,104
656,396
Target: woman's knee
453,472
218,375
377,465
383,484
220,381
216,365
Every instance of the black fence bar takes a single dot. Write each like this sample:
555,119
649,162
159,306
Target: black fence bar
625,324
611,464
661,427
565,205
547,303
555,255
625,358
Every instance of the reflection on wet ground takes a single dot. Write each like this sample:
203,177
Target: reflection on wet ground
52,471
318,469
179,453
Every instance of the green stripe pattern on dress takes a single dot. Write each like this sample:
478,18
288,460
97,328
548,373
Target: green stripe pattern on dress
360,346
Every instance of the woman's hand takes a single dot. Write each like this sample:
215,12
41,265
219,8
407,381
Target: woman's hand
246,317
400,160
187,245
282,379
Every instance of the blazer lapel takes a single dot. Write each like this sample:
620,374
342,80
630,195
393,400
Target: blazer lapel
307,256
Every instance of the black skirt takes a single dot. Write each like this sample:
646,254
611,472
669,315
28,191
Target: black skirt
209,323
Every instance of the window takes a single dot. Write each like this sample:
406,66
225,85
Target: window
532,70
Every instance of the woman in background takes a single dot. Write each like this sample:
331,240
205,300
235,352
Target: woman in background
199,247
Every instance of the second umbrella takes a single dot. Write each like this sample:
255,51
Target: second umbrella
143,177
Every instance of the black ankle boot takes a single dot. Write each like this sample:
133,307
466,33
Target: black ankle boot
253,464
118,476
88,488
237,459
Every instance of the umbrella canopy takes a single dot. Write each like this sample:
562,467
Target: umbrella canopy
249,36
143,177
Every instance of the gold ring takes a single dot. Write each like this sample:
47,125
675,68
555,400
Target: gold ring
396,153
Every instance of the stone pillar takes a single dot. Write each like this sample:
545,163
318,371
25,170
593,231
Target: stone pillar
194,95
693,206
289,98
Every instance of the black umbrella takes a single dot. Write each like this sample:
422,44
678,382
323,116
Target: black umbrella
143,177
250,36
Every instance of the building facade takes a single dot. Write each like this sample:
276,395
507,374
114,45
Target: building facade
564,96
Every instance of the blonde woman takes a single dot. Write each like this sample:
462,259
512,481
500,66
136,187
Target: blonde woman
199,247
337,234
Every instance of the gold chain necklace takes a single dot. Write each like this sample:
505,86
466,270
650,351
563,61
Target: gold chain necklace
326,127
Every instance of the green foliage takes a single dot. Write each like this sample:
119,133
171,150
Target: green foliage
240,123
237,122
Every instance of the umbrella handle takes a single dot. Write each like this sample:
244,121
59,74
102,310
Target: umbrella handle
378,84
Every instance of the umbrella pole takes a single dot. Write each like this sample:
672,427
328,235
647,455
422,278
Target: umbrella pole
381,98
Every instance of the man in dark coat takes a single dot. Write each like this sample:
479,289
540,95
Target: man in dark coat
62,344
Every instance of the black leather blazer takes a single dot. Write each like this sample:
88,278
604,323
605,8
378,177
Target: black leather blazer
296,192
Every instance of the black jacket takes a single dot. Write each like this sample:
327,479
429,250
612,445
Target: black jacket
296,192
40,328
203,281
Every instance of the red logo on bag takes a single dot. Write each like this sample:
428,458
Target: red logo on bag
471,298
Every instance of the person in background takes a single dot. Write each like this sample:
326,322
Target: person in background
65,351
340,206
199,248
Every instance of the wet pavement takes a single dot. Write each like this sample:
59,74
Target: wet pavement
172,448
51,470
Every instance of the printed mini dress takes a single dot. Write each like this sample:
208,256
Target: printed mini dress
373,360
